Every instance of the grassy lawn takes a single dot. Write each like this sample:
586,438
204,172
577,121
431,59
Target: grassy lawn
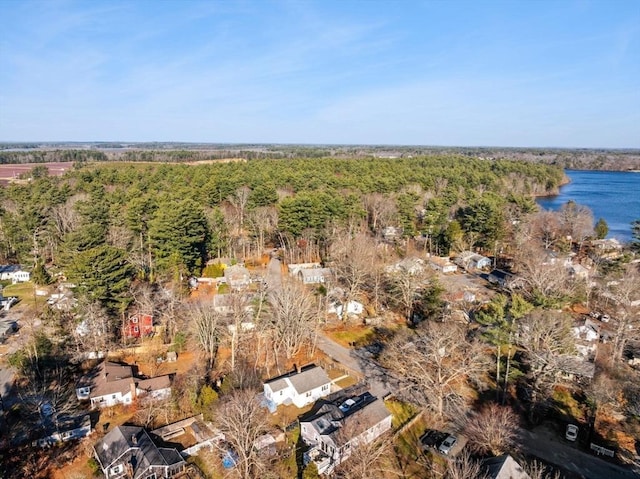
26,293
358,336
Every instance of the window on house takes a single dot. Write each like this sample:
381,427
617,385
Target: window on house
309,394
113,396
116,469
134,319
136,329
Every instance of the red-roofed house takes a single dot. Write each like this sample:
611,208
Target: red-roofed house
139,326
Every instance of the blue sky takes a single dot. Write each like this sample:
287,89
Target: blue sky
476,73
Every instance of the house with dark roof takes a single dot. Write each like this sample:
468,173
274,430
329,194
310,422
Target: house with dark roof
113,383
298,387
504,467
336,427
128,451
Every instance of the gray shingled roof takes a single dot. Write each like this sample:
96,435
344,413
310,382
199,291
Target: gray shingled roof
302,382
132,445
505,467
310,379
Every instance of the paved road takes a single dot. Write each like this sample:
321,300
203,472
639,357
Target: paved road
357,361
555,450
273,277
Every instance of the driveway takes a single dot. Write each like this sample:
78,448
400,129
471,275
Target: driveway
551,448
357,361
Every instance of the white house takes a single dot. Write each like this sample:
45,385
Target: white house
442,264
294,268
112,383
470,260
298,387
336,428
65,428
409,265
15,273
354,308
314,275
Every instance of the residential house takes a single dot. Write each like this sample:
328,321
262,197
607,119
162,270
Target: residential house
15,273
314,275
442,264
294,268
113,383
138,325
65,428
576,368
298,387
504,467
335,427
606,248
354,308
578,271
410,264
502,278
226,304
237,276
194,432
587,333
128,452
471,261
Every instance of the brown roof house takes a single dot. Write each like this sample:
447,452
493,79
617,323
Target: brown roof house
128,452
113,383
334,428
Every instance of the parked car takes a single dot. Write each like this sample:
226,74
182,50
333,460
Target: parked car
447,445
571,434
431,438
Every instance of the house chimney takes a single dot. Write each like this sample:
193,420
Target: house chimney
297,368
132,385
134,440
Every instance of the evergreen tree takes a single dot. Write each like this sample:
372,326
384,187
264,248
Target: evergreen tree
601,229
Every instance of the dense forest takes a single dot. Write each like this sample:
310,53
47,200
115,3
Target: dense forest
157,218
580,159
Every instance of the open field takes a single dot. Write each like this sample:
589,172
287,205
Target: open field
9,173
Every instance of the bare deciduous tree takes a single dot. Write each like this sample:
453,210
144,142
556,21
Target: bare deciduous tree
464,467
207,325
293,316
493,430
405,287
242,420
353,256
537,470
95,333
576,221
264,220
544,228
368,460
545,338
438,365
381,211
544,277
620,295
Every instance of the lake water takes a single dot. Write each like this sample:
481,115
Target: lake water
612,195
